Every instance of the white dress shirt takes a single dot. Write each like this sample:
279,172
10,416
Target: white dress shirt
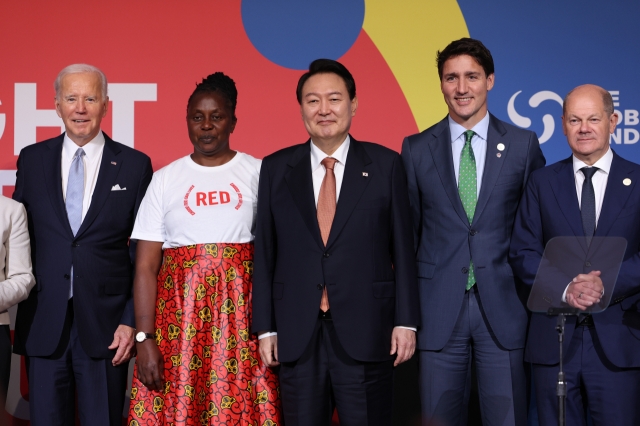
92,158
318,171
478,143
599,179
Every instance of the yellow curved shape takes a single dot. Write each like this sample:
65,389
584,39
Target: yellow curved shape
408,34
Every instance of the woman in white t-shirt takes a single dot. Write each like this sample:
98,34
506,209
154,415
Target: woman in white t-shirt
197,360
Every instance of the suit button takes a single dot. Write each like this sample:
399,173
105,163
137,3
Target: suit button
473,232
465,270
67,276
319,286
326,255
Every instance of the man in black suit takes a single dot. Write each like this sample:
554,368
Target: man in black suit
334,292
81,191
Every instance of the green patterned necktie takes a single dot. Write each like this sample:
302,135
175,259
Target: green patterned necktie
468,189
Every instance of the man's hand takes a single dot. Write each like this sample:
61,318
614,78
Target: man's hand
585,290
123,342
403,341
269,350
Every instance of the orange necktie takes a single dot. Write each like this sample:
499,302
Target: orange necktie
326,212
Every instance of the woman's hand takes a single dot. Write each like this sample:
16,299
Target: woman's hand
150,365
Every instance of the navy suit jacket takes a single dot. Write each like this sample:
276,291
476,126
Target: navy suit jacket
367,264
446,242
100,252
549,208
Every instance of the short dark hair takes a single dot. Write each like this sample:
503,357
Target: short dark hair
326,66
221,83
466,46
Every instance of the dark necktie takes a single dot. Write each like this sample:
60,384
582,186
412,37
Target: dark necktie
588,203
468,189
326,212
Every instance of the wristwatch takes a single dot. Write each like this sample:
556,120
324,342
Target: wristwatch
141,336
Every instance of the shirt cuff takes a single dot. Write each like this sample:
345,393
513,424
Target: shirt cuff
267,334
564,294
407,328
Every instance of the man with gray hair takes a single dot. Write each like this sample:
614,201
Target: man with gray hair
81,191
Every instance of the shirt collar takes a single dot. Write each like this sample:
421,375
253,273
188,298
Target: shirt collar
91,149
604,163
481,129
340,154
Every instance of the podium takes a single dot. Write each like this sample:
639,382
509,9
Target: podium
563,259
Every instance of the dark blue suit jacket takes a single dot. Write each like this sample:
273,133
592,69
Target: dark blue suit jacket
367,264
100,251
445,241
549,208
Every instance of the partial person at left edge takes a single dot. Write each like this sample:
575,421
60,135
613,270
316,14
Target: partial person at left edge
81,191
16,279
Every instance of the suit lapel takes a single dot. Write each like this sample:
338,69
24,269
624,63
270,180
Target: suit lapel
440,147
564,189
52,166
615,195
109,167
493,163
353,186
300,185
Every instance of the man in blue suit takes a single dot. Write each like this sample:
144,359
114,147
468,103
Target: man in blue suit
81,191
466,175
334,290
593,193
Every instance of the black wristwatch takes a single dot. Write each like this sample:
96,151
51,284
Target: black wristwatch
141,336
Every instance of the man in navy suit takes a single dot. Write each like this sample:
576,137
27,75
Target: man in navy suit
334,302
81,191
466,175
593,193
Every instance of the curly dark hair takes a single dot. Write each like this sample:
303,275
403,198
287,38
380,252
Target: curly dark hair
221,83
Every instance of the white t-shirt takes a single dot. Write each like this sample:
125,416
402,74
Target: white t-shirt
187,203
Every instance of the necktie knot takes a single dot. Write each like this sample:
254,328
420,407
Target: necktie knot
329,163
468,135
588,172
79,153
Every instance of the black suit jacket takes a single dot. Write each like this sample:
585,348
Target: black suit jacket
367,265
100,251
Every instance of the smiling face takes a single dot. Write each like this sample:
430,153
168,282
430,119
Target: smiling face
586,124
465,86
81,106
210,122
327,110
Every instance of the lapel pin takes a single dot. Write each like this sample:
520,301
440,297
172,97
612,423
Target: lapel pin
500,147
626,182
498,155
365,174
114,163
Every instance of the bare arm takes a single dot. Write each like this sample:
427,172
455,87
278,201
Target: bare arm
149,360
